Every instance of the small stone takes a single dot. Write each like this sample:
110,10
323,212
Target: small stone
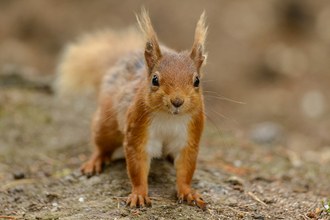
54,209
238,163
81,199
82,178
18,175
223,191
52,196
240,188
259,217
76,174
269,200
94,180
70,178
203,183
267,133
235,180
54,204
231,201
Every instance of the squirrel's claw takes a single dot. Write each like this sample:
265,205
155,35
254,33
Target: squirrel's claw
190,200
181,199
201,204
141,202
148,202
94,165
193,198
134,200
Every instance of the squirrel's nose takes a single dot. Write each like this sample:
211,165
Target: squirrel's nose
177,102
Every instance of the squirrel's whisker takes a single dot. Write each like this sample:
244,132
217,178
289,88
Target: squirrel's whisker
217,113
147,113
130,111
214,124
223,98
144,104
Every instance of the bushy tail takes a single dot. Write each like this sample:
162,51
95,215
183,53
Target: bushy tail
85,62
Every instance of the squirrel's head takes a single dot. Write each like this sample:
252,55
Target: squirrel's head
174,78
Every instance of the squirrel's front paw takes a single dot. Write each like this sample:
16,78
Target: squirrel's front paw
136,199
90,167
192,198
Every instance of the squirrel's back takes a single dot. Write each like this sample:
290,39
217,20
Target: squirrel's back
85,62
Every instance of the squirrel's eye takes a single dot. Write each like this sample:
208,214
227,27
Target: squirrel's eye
196,84
155,81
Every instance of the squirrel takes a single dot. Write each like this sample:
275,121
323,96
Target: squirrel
150,102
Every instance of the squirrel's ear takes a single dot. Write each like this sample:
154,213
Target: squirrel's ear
152,53
197,52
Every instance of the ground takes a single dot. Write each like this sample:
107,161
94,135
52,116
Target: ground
45,140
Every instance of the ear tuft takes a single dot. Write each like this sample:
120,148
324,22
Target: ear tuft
197,51
152,53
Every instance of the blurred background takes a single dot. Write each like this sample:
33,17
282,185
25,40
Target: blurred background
271,55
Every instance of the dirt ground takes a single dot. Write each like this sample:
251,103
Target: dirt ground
44,140
270,160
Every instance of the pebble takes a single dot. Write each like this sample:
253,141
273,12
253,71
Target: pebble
235,180
259,217
76,174
54,209
267,133
70,178
215,187
82,178
94,180
231,201
18,175
81,199
238,163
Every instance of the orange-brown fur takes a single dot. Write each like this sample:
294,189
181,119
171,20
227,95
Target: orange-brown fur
129,101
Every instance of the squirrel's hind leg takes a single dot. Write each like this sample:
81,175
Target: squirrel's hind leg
106,138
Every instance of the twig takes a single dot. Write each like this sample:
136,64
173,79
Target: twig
305,217
120,198
47,159
11,217
239,212
241,206
209,211
256,198
16,183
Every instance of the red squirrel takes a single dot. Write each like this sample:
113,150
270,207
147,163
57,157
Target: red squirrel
150,102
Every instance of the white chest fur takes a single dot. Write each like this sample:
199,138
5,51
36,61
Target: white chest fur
168,134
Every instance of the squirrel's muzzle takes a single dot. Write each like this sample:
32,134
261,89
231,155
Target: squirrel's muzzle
177,102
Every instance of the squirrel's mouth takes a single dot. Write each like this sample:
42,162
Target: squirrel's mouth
175,112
